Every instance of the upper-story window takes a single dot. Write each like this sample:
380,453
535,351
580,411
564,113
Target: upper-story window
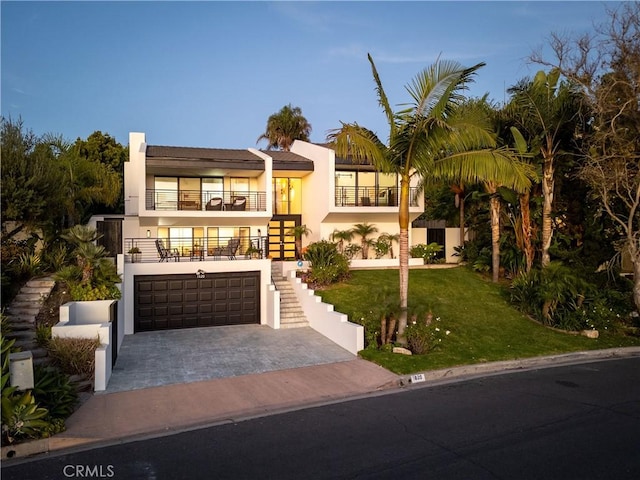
287,196
360,188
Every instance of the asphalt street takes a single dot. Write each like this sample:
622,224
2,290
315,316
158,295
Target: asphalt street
572,422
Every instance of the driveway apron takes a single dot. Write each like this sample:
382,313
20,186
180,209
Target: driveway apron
152,359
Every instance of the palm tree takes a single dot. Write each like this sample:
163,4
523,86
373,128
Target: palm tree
364,230
298,232
284,127
342,236
390,238
548,112
426,134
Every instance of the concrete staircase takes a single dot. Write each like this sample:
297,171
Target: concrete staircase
21,315
291,314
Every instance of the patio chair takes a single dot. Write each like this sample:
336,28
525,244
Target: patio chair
214,204
239,203
229,250
165,253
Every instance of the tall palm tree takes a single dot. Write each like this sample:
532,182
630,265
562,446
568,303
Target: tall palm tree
548,111
284,127
426,134
364,230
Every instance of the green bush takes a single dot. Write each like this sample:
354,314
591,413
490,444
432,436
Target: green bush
327,265
550,294
22,418
74,356
54,391
427,252
424,333
82,292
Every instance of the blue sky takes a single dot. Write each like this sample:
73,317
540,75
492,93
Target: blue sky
209,74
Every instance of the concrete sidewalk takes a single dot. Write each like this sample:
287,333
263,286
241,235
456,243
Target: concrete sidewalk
113,417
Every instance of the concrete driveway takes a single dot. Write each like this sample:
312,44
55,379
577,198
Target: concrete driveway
152,359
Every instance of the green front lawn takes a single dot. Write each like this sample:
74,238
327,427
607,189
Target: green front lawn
484,327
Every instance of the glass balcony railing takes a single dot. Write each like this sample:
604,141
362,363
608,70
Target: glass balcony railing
372,197
176,200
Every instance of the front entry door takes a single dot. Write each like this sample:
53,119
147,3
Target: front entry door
280,245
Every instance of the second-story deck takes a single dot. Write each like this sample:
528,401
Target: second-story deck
372,196
176,200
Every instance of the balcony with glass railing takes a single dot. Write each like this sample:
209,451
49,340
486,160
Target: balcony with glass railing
197,200
372,196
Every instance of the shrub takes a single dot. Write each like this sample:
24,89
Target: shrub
22,418
550,294
82,292
427,252
54,391
74,356
424,333
326,263
352,250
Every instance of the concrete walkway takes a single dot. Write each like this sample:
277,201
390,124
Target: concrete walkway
114,417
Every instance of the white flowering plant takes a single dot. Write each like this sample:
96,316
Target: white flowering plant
425,333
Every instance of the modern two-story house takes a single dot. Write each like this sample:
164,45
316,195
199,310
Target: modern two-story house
202,226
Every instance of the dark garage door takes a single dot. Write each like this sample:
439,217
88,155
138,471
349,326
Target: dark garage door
183,301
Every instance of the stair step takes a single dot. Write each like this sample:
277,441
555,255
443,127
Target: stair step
39,352
21,325
294,325
27,297
25,344
22,334
21,317
45,282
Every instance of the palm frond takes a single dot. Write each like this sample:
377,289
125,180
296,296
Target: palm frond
382,98
439,87
360,145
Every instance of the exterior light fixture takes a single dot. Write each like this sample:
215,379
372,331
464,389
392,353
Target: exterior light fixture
148,233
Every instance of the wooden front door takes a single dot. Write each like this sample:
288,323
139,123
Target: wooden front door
280,245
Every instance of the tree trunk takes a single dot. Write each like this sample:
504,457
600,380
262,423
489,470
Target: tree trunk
403,220
527,231
636,280
495,236
548,180
461,219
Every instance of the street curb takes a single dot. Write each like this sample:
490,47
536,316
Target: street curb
22,451
507,366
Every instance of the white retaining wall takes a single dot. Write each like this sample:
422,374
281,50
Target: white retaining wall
89,320
322,318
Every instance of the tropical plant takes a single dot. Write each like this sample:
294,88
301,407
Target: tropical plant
284,127
389,238
428,137
428,252
54,391
604,64
364,230
22,417
94,276
381,246
352,250
550,292
342,236
298,232
326,263
548,110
